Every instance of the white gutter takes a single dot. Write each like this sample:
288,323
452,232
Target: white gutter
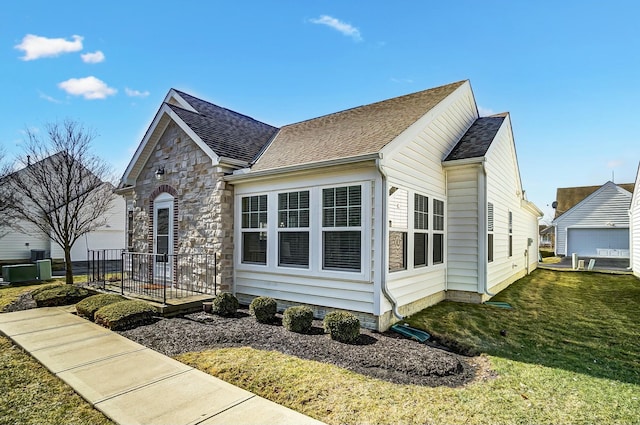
383,251
247,176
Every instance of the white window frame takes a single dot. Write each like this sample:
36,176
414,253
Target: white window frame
261,228
324,230
284,228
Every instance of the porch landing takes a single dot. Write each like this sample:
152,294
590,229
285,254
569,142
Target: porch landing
188,303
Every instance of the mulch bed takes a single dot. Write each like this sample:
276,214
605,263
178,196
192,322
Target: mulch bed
386,356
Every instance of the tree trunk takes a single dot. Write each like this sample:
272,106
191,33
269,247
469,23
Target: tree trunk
68,266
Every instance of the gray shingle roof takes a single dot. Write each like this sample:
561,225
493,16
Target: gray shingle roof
477,139
358,131
228,133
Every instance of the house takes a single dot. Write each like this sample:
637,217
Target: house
634,227
24,241
593,221
382,210
547,236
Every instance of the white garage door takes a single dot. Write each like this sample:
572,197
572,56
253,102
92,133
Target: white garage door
598,242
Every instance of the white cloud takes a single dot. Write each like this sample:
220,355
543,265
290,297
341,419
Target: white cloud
49,98
485,112
338,25
135,93
615,163
95,57
36,47
88,87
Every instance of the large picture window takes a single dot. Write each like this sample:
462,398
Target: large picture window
341,228
438,231
421,228
293,229
254,223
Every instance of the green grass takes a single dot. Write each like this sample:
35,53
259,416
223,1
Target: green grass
571,356
29,394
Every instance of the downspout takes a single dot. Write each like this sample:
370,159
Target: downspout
482,226
383,251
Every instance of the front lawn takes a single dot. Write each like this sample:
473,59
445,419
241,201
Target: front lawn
29,393
571,355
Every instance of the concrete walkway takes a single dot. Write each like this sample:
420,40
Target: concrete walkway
132,384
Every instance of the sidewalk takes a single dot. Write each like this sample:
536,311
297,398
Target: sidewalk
132,384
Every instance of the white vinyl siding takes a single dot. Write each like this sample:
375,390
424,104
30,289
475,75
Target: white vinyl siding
504,191
462,234
608,207
16,245
635,228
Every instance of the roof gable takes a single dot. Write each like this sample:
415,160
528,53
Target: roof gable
608,186
224,135
350,133
568,197
476,141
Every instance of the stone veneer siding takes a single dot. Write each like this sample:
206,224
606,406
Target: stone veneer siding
203,202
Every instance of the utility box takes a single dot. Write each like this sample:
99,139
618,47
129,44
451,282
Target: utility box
44,269
19,273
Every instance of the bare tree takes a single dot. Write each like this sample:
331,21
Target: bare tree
61,187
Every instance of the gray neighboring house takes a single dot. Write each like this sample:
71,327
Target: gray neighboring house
593,221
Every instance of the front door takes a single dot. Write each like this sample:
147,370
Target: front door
163,238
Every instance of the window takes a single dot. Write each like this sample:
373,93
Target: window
489,232
438,231
398,226
254,221
293,229
510,234
341,228
421,226
130,230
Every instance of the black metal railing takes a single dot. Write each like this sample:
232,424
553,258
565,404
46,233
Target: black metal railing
156,276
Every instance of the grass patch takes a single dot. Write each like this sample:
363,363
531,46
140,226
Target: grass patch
32,395
560,324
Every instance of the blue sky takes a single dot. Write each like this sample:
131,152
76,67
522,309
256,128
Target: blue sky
567,71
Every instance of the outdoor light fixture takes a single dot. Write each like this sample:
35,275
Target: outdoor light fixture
159,173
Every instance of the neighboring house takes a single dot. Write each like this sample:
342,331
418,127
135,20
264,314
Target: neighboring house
547,236
18,242
388,207
634,227
593,221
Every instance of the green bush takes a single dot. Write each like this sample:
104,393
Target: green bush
124,314
87,308
58,295
546,254
45,288
264,309
298,319
225,304
342,326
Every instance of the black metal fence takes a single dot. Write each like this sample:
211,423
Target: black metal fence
155,276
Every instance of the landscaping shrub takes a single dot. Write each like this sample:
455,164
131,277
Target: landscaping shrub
45,288
58,295
87,308
225,304
298,319
264,309
342,326
124,314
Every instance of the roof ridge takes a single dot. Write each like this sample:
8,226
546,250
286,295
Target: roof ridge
215,106
459,83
